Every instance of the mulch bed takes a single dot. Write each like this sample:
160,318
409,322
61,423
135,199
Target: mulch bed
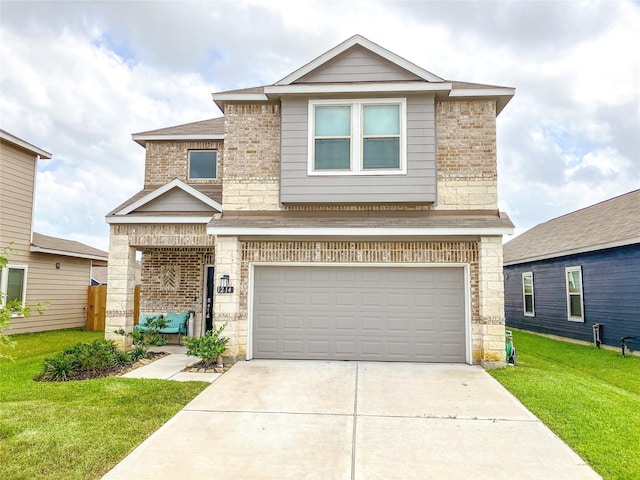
201,367
112,371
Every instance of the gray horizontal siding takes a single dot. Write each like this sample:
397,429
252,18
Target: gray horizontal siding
417,186
176,200
611,295
358,65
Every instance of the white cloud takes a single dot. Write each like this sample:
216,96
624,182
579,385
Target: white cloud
77,78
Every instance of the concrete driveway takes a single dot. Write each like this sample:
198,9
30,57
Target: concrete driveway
353,420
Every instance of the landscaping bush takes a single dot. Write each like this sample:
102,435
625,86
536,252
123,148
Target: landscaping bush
143,339
83,357
139,352
208,347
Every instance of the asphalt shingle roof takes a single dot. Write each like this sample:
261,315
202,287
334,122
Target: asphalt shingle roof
69,247
213,126
390,219
614,222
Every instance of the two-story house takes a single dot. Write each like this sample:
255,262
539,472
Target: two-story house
41,268
346,212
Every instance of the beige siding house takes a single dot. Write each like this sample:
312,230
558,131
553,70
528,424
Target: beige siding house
346,212
41,268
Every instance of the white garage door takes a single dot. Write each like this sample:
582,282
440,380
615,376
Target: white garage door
414,314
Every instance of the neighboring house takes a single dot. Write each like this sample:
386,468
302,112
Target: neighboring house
567,274
41,268
348,211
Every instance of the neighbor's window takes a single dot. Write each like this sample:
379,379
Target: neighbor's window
527,294
13,284
203,164
357,137
575,306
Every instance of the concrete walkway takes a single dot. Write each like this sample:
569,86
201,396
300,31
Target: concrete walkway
353,420
171,366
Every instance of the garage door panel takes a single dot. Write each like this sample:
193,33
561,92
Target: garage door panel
319,324
359,313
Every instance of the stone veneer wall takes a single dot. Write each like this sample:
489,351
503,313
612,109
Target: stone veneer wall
252,152
466,155
367,252
167,160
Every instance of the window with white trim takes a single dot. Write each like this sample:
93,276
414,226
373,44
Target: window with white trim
13,284
203,164
527,294
575,304
357,137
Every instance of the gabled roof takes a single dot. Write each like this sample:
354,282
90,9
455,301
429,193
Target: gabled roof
358,40
416,80
69,248
140,207
608,224
212,129
18,142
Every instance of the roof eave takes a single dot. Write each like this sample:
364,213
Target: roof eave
143,139
363,232
66,253
574,251
157,219
43,154
503,95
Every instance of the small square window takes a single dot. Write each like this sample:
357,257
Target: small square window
203,164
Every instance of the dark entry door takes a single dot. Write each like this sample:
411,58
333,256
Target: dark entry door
209,289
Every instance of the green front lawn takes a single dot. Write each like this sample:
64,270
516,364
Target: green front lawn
590,398
75,430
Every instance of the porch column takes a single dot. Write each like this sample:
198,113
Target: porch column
120,289
491,296
226,307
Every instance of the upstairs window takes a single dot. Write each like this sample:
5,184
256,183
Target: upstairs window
575,306
13,284
527,294
357,137
203,164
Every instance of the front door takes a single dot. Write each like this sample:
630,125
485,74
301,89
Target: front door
209,281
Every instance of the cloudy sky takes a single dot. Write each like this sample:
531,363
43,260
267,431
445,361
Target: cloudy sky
77,78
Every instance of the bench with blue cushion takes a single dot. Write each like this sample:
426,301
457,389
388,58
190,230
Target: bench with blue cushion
176,323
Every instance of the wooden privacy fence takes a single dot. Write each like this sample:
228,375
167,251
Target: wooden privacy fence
97,306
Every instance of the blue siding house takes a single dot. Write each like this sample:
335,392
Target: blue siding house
566,275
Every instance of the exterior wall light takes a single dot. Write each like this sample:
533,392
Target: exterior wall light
224,285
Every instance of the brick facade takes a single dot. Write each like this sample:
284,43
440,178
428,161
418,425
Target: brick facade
168,160
466,155
172,280
174,255
487,328
252,149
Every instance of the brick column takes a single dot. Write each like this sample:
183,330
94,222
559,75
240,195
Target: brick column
491,289
226,306
120,288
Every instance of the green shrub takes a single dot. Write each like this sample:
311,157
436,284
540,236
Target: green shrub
145,338
208,347
122,359
58,368
139,352
84,357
